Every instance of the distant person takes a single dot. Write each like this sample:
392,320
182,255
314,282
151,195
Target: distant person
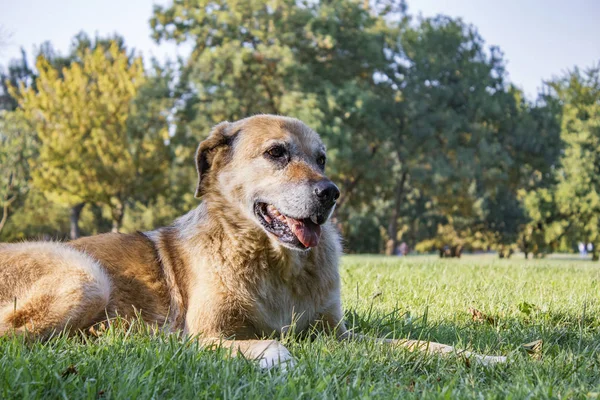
590,248
582,251
403,249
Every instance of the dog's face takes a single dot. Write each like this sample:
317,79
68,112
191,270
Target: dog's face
272,169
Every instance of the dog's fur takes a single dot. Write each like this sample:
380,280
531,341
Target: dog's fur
216,273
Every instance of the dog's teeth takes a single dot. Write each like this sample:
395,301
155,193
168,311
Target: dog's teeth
273,211
281,218
314,219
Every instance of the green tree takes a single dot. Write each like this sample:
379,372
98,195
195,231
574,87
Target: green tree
17,146
577,192
446,94
529,136
317,61
88,152
18,72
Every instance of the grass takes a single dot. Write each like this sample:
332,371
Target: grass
555,300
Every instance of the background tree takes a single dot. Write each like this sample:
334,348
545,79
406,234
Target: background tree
430,143
18,72
316,61
87,153
17,146
446,85
571,207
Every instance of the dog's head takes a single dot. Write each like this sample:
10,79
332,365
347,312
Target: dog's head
273,169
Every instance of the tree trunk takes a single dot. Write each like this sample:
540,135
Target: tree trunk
118,212
4,217
525,248
6,210
393,226
8,200
74,217
456,251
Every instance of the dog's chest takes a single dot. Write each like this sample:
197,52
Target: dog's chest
283,304
278,309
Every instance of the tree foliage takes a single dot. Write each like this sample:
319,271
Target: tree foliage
87,151
570,207
17,146
429,141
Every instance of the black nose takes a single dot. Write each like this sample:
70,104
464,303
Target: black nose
326,191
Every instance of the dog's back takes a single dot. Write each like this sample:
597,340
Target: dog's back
133,264
47,286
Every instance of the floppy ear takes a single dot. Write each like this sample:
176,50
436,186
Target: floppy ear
219,136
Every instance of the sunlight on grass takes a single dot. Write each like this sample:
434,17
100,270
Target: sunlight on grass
554,300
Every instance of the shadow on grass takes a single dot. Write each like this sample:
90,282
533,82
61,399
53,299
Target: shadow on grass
559,332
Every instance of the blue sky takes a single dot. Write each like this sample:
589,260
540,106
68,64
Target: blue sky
540,39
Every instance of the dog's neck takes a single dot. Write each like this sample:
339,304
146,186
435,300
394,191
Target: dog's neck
217,219
251,255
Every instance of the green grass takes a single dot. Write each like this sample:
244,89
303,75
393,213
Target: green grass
556,300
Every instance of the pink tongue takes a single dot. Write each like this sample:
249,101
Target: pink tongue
307,232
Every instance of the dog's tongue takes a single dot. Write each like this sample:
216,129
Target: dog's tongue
307,232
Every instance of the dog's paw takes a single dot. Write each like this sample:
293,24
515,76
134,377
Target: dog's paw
276,355
489,361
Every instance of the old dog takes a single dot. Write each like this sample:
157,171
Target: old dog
256,257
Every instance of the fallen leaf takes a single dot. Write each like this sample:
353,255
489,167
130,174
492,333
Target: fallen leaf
478,316
71,370
376,295
97,330
534,349
467,361
527,308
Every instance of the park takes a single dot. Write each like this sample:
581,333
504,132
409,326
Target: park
552,303
468,205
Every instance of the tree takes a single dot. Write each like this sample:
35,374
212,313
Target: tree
18,72
317,61
17,146
529,136
445,84
87,151
577,191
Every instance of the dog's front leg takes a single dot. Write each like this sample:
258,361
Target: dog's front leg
333,323
430,348
269,353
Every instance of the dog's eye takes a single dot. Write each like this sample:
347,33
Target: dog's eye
321,161
276,151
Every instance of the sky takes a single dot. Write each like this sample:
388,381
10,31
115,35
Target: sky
540,38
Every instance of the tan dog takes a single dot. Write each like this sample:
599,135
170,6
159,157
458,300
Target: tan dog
256,256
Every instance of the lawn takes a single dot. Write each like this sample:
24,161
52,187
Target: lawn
554,300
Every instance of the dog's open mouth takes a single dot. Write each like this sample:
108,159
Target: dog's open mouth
302,233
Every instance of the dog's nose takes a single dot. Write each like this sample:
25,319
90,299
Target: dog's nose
326,191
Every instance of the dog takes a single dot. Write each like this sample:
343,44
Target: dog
257,257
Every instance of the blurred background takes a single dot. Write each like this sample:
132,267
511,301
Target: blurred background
463,126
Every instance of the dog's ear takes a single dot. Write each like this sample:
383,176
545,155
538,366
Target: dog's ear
220,137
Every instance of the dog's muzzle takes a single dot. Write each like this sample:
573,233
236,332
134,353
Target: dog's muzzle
300,231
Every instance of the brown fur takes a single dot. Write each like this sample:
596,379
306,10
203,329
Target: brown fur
215,273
